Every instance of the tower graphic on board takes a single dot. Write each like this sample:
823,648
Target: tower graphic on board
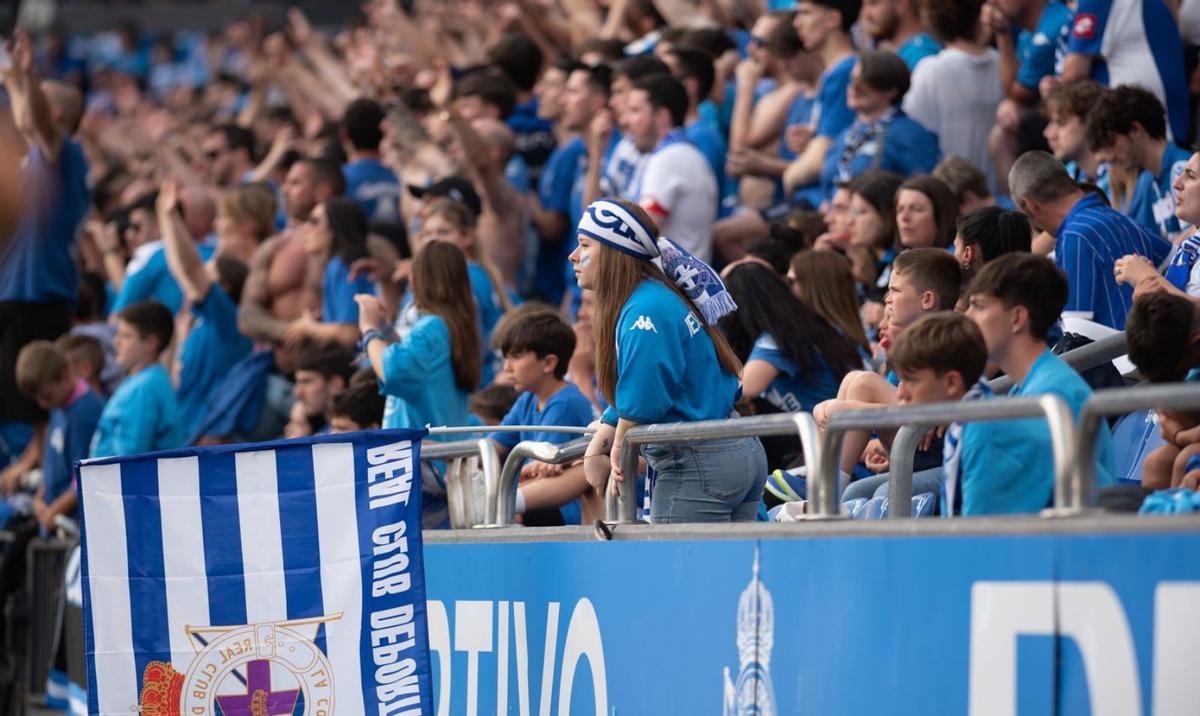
753,694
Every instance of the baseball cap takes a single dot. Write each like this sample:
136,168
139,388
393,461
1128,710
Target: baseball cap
457,188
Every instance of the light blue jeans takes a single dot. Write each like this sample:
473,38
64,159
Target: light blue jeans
715,481
877,486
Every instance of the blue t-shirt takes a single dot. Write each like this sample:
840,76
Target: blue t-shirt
36,263
1038,49
831,113
713,147
800,113
212,347
418,379
533,137
793,391
1153,201
903,147
1008,466
338,291
141,416
568,408
667,367
152,280
68,437
375,188
918,47
555,188
1089,241
1136,42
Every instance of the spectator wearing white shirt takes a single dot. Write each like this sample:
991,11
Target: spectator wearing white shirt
675,184
962,117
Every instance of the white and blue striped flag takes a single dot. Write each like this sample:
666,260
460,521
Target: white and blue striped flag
257,580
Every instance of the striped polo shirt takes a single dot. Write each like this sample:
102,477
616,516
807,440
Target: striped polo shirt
1089,241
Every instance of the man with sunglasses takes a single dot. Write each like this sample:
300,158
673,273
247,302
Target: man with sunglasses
229,154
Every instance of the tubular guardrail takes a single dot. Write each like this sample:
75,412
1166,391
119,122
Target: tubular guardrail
625,511
503,503
823,493
459,489
1082,358
1115,401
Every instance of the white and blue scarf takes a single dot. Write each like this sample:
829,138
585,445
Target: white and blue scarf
611,224
952,454
1179,272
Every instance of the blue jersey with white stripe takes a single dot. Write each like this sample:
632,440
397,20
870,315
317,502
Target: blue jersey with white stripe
1038,49
1153,201
1089,241
1117,34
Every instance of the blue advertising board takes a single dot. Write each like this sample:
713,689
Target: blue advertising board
1066,623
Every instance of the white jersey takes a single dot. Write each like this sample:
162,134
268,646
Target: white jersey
676,182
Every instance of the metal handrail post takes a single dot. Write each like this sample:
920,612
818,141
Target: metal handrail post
900,469
700,431
1054,409
489,460
503,501
1115,401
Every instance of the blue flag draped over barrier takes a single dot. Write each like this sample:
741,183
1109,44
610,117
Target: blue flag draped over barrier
274,578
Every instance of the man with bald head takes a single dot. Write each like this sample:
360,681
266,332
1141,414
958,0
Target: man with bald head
38,279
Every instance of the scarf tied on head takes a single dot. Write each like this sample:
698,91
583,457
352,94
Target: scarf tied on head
615,226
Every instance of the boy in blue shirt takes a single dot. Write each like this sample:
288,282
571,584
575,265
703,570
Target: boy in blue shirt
368,181
1007,466
142,415
44,375
537,346
1127,128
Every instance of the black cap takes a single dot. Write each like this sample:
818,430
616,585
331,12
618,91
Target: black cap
457,188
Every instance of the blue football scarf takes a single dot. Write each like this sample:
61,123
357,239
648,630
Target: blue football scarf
613,225
1180,270
952,454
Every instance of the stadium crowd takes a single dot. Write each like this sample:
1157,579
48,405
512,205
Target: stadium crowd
515,213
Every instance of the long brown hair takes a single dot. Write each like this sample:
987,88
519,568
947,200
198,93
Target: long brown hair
825,282
441,286
461,216
617,275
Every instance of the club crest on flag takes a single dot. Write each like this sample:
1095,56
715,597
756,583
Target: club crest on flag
255,669
274,579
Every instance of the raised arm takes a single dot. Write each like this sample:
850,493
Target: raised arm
31,111
183,260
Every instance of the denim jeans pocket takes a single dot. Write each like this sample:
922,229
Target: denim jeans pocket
722,466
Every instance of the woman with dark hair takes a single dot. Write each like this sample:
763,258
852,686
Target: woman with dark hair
428,374
335,236
882,136
793,358
987,233
659,359
871,247
823,281
926,213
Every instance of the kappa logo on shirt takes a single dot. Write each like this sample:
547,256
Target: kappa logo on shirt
643,323
1085,26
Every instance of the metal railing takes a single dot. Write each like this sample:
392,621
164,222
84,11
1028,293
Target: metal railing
1116,401
503,503
625,511
823,492
460,455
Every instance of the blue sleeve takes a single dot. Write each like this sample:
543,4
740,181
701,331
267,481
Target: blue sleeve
408,364
81,425
649,362
218,309
556,182
516,416
765,349
1087,31
918,150
835,115
138,425
1074,257
337,301
140,285
609,416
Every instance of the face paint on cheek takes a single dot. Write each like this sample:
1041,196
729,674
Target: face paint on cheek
585,259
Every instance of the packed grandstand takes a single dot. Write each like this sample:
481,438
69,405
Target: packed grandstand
546,215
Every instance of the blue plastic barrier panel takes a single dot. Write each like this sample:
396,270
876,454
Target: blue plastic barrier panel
275,578
995,625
